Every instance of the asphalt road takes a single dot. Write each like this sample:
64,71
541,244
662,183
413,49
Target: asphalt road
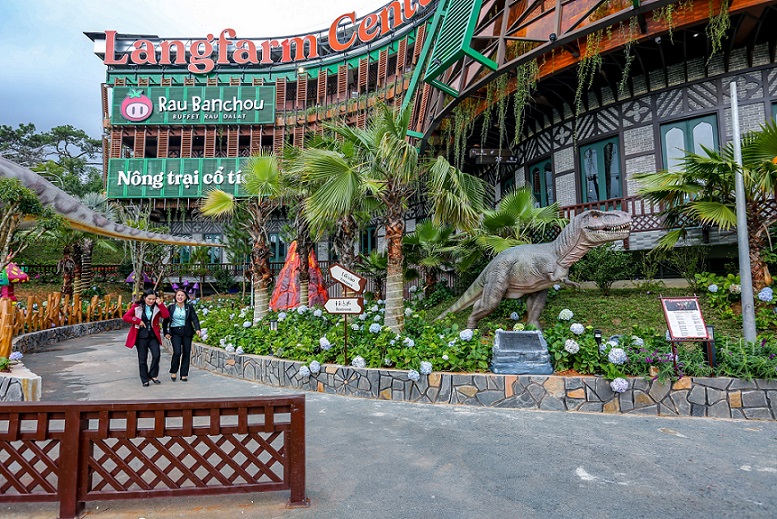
368,458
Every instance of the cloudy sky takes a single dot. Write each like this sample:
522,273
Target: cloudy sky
49,74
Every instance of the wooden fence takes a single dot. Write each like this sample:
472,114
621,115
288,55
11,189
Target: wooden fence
74,452
36,314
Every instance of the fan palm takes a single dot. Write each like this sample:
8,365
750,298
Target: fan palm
515,221
702,192
380,164
429,248
262,183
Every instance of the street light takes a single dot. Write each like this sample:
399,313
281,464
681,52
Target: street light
598,337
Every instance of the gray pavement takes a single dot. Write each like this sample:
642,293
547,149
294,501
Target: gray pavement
368,458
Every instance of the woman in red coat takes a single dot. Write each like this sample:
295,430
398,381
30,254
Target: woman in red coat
145,334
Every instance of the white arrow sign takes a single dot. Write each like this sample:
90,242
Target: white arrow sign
344,305
351,280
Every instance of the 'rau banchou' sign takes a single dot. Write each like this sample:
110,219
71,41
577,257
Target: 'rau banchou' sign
194,105
201,56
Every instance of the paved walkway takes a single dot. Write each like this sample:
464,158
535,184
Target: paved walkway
381,459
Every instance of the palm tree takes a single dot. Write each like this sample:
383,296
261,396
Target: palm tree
515,221
262,183
702,192
98,203
374,266
383,166
429,247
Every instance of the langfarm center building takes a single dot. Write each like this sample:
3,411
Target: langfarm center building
571,97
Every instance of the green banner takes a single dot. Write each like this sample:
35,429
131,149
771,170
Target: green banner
174,178
193,105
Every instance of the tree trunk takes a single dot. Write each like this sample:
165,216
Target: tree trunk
77,268
262,278
87,244
395,315
755,242
345,241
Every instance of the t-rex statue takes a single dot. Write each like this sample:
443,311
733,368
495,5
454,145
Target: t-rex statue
82,218
530,269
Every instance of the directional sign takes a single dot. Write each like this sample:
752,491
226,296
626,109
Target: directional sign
351,280
344,305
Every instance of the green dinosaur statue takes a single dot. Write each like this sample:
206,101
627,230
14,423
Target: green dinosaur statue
528,270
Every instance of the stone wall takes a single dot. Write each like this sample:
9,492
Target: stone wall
689,396
20,385
32,341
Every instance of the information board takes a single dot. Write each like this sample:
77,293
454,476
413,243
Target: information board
683,316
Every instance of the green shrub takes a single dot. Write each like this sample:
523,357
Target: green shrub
603,265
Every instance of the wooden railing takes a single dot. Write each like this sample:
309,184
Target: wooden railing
75,452
35,314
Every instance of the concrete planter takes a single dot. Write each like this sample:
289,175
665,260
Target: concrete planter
20,385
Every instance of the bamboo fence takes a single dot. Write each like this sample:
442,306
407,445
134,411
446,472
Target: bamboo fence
36,315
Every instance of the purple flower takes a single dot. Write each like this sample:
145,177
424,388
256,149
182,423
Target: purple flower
619,385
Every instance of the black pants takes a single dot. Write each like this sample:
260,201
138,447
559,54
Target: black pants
143,346
182,351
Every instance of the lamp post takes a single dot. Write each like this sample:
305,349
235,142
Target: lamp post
598,337
273,325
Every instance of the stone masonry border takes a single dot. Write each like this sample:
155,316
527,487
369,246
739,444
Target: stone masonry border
688,397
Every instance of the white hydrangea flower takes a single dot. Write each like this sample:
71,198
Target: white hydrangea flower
229,348
315,367
387,362
514,316
359,362
239,350
735,289
426,367
577,329
302,309
571,346
247,324
413,289
375,328
413,375
282,316
374,308
205,311
408,312
231,316
466,334
222,342
377,318
362,317
408,342
304,371
556,287
637,341
324,343
452,343
392,342
380,301
565,315
617,356
318,312
608,345
444,357
713,288
619,385
355,327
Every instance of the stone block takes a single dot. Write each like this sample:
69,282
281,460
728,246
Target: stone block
681,404
642,399
573,404
659,390
667,410
573,383
651,410
739,383
576,393
715,395
698,410
683,383
536,391
550,403
613,406
757,413
626,400
489,398
468,391
753,399
698,396
735,399
717,383
555,386
719,410
591,407
766,384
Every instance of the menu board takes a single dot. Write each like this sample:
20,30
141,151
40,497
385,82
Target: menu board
683,316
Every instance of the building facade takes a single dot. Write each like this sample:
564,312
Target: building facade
570,98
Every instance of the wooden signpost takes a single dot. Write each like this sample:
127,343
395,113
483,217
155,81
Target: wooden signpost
346,305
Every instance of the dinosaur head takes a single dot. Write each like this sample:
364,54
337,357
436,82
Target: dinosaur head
597,227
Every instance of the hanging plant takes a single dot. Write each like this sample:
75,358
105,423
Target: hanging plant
718,25
630,35
463,122
589,64
526,77
665,14
501,105
486,126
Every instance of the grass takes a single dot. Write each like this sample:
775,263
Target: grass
614,314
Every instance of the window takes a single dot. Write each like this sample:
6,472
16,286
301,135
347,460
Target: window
601,170
541,182
277,248
680,137
214,253
368,240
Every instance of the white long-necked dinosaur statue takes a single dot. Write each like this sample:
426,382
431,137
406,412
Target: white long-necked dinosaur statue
81,217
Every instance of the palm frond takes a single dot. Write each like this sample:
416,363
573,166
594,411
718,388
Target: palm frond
218,202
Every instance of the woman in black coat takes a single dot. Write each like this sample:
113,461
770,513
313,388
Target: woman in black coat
180,328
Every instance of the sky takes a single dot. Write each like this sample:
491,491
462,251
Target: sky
50,76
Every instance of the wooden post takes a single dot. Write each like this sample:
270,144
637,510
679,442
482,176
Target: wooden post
6,327
296,449
69,459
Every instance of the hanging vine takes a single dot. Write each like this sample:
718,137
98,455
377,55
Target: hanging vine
463,123
525,83
718,25
630,35
501,105
665,14
486,126
587,68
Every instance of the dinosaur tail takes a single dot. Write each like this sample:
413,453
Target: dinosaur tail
468,298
